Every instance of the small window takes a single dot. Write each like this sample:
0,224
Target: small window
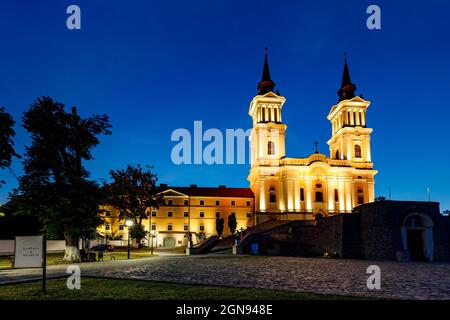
107,226
337,154
170,214
217,203
249,214
302,194
169,202
270,147
186,214
179,242
186,227
233,203
121,226
272,197
202,202
357,151
248,203
169,227
186,202
153,226
202,227
217,214
336,195
319,196
108,213
153,213
360,200
202,214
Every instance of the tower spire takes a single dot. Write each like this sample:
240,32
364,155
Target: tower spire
347,90
266,84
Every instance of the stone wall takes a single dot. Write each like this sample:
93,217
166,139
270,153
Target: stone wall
380,228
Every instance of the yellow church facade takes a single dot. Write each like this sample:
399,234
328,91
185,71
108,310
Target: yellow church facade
318,185
281,188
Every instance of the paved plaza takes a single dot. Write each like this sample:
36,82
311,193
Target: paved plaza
325,276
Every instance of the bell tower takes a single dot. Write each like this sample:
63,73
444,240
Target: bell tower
350,138
267,144
267,139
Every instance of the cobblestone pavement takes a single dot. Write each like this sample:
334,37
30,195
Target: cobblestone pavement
327,276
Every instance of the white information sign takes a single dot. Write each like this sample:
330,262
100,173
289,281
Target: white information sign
28,252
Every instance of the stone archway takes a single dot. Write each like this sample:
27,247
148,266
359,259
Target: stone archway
417,236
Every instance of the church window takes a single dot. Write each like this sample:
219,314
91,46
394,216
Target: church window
169,227
337,154
202,227
186,214
186,202
153,226
360,200
302,194
263,115
170,214
169,202
272,195
357,151
186,227
202,202
336,195
202,214
319,196
270,147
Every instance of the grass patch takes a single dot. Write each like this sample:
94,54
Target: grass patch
118,289
57,258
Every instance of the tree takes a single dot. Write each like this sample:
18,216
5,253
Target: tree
133,192
232,223
219,226
55,185
446,213
380,198
6,143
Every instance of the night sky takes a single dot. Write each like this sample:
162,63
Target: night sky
155,66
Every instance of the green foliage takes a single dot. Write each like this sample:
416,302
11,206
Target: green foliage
232,223
133,191
219,226
6,143
55,185
137,231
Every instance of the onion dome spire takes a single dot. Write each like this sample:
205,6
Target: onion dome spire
347,90
266,84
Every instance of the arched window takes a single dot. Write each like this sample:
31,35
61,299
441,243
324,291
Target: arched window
270,147
336,156
319,196
357,151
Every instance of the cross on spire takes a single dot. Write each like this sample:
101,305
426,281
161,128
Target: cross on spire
317,146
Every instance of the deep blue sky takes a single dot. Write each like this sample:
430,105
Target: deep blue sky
154,66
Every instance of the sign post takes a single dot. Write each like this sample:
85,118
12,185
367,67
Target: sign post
31,252
44,261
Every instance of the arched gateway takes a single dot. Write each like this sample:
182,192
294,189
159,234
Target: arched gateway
417,236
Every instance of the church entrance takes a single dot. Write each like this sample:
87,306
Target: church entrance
417,235
415,244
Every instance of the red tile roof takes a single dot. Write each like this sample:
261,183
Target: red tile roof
221,191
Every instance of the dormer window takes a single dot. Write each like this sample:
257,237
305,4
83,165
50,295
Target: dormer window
270,147
357,151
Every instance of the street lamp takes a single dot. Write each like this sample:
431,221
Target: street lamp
129,223
153,234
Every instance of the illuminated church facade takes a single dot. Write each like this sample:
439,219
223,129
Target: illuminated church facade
317,185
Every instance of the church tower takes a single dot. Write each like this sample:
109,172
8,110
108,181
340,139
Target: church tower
350,138
267,141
